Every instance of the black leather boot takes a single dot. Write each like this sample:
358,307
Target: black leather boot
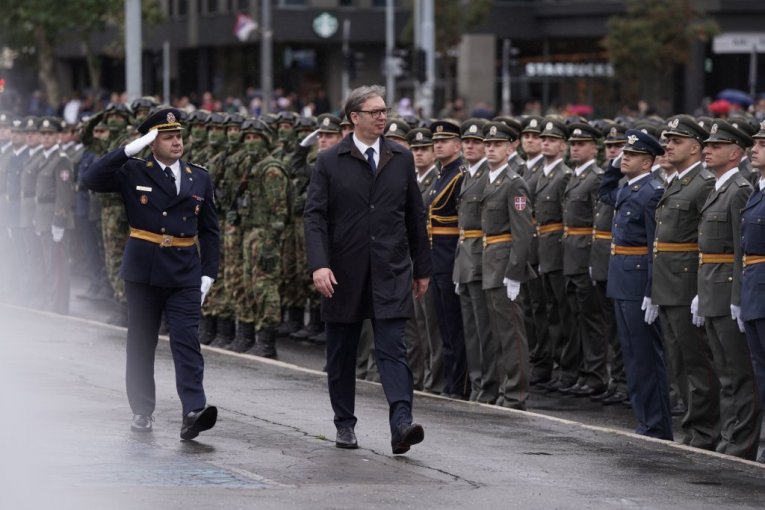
207,329
314,326
265,345
225,333
293,321
245,337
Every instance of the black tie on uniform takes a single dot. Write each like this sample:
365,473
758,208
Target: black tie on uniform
371,158
169,174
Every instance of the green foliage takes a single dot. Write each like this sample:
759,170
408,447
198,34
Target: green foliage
654,35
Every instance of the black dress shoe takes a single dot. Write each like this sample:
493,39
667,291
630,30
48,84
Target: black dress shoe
539,379
405,437
599,397
679,409
198,421
617,398
586,390
141,423
346,438
571,389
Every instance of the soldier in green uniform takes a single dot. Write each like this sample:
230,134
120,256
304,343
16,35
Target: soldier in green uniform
226,132
141,108
718,303
533,295
480,347
548,207
587,347
197,124
32,250
114,223
675,269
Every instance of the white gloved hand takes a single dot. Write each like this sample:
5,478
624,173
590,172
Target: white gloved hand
594,283
58,233
205,288
310,139
651,310
513,288
617,162
140,144
696,319
735,314
457,288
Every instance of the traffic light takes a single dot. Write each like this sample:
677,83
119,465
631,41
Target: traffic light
420,65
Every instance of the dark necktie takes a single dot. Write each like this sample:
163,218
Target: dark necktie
169,174
371,158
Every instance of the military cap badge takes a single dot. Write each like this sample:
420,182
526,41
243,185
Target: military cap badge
473,129
493,131
46,123
30,123
439,128
762,124
394,127
632,139
701,123
613,132
644,130
533,123
674,123
325,122
549,126
714,129
735,125
577,131
170,117
418,137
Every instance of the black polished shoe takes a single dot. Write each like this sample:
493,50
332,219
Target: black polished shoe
617,398
539,379
601,396
571,389
346,438
141,423
405,437
586,390
679,409
198,421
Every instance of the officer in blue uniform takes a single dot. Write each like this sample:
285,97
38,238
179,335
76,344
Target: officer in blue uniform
753,275
172,250
629,279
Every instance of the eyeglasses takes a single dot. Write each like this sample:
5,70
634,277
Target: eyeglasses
376,114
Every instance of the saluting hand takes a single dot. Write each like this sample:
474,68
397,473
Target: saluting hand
323,280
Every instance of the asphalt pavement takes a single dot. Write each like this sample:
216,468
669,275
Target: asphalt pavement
66,443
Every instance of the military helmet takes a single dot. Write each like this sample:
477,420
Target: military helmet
199,117
146,102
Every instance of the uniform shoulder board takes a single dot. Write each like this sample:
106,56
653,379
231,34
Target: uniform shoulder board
741,181
197,166
706,174
656,184
138,159
598,170
567,170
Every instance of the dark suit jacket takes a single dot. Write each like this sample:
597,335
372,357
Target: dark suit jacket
629,276
370,231
753,243
677,216
189,213
719,285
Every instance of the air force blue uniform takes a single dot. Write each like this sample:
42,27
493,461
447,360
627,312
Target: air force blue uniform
753,281
162,278
629,281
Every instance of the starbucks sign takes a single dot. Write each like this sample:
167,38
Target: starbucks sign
325,25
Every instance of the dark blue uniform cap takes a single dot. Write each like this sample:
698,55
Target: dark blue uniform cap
167,119
642,143
446,128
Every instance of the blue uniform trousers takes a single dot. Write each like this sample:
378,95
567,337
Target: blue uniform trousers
182,308
755,337
449,314
646,373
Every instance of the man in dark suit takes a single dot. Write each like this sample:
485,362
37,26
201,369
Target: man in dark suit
367,249
629,280
171,210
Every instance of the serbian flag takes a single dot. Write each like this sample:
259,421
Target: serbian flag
244,26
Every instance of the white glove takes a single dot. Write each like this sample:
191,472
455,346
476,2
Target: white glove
617,162
696,319
205,288
457,288
651,310
735,314
310,139
594,283
140,144
58,233
513,288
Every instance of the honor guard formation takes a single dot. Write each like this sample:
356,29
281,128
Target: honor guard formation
616,260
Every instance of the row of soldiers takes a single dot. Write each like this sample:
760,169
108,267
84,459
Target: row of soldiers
636,284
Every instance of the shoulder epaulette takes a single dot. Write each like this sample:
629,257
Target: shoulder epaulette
656,184
567,170
197,166
138,159
706,174
598,170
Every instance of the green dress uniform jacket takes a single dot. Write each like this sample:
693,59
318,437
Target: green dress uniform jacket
506,210
54,193
677,222
467,260
531,176
28,183
580,200
548,206
719,284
